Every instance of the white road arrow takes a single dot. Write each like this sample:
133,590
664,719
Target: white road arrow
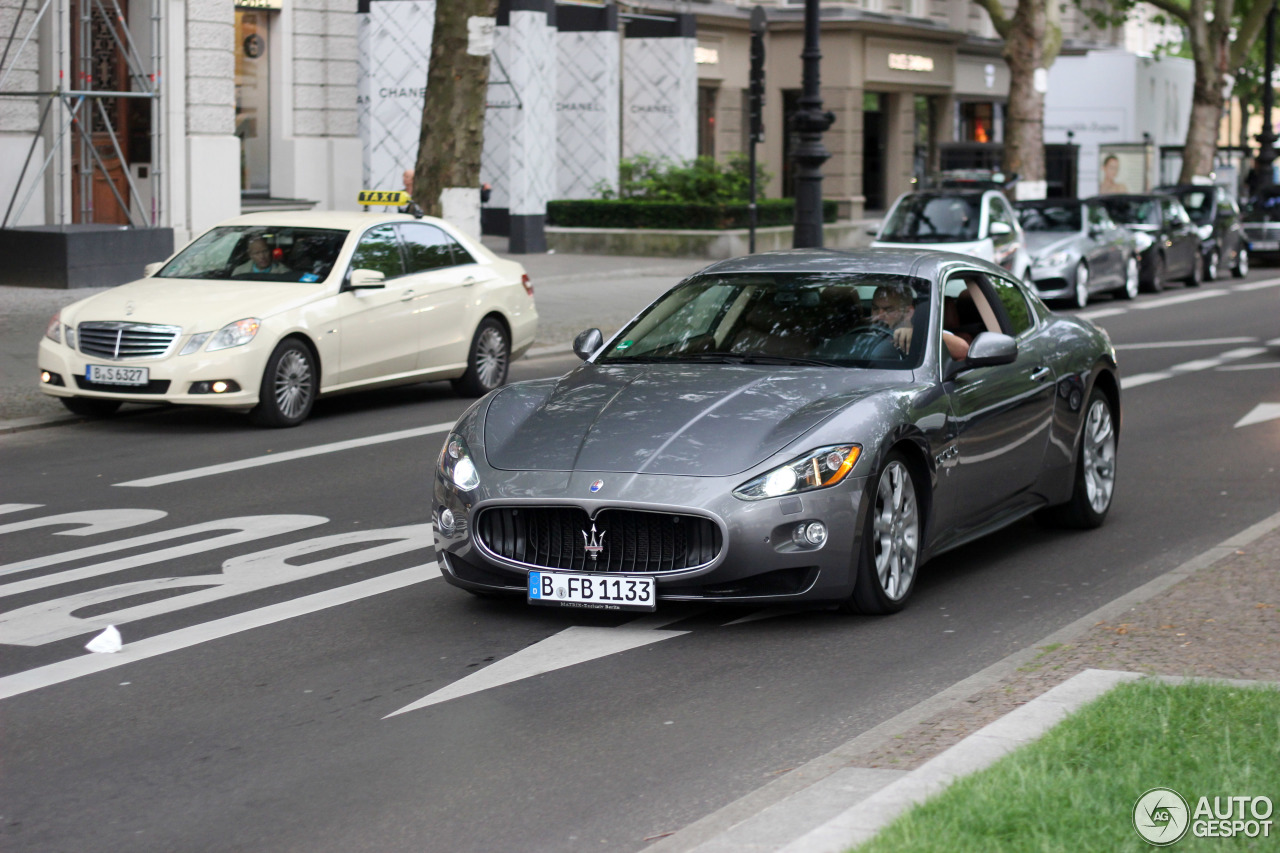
1261,412
575,645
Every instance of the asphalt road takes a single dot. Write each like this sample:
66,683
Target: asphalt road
255,704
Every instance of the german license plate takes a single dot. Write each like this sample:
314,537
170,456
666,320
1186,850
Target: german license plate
593,591
112,375
1265,245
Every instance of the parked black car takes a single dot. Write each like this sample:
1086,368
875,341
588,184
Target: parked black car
1262,226
1217,219
1174,249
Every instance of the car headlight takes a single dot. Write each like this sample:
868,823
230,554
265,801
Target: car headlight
1057,259
54,330
456,465
1205,231
817,469
234,334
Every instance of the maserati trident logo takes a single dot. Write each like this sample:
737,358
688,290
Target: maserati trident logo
594,543
597,485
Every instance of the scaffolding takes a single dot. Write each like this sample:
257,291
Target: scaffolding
103,39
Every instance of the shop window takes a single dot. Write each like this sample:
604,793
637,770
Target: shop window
978,122
706,121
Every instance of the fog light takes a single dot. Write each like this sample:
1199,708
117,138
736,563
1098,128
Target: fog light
215,386
446,521
810,534
219,387
47,378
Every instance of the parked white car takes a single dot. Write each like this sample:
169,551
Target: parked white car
974,222
269,311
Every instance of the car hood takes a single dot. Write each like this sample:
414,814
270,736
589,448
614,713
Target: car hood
1041,243
196,306
697,420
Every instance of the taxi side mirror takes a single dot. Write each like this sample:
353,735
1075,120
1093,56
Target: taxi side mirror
1000,229
151,269
363,279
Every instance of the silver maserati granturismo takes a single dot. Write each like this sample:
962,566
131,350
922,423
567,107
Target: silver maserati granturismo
803,426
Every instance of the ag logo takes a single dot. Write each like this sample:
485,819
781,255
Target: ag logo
1161,816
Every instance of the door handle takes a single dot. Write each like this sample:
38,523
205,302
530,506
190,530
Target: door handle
468,281
406,296
1040,374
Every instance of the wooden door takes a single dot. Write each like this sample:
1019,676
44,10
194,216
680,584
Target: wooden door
105,71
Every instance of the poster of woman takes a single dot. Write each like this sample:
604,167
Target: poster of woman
1122,171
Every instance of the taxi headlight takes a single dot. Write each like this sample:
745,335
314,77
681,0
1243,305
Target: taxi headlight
54,330
817,469
234,334
456,465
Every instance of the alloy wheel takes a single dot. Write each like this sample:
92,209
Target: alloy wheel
1099,446
1082,285
292,384
1132,279
491,357
895,531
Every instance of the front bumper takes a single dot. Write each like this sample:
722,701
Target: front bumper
1054,282
758,561
172,376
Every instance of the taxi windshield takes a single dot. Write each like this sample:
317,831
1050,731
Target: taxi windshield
929,218
830,319
259,253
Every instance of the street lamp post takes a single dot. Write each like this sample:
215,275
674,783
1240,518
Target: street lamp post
1267,139
810,122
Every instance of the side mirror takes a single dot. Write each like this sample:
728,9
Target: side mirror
992,348
151,269
587,343
363,279
1000,229
873,230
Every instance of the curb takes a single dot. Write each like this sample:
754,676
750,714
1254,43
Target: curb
789,793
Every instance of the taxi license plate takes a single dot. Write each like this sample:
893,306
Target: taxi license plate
1265,245
593,591
112,375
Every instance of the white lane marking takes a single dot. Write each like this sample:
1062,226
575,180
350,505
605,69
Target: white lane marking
236,530
1258,285
56,673
1179,299
287,456
50,621
1271,365
1261,413
1204,342
1190,367
91,521
17,507
571,646
1102,312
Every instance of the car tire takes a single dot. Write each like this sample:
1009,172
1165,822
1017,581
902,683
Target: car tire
1080,295
288,389
889,548
1196,276
1211,266
1156,284
90,407
1132,280
1095,470
1241,269
488,360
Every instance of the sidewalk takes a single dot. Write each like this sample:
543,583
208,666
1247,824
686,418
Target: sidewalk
1216,616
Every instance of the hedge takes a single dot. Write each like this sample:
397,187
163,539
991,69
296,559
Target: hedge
631,213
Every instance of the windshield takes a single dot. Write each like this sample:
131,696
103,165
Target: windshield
1065,217
925,218
1199,205
1135,211
839,319
258,253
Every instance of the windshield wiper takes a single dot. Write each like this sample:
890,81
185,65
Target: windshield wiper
751,358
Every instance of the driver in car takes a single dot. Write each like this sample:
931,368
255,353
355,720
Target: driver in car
260,261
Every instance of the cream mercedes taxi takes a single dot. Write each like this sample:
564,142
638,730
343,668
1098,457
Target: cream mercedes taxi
269,311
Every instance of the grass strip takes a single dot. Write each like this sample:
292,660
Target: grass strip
1075,788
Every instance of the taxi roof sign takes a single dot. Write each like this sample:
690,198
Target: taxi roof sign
387,198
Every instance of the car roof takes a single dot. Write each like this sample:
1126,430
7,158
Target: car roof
347,220
913,262
1048,202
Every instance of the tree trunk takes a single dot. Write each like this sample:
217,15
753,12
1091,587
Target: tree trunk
452,136
1210,46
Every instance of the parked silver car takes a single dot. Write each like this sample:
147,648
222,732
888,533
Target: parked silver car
783,427
1077,250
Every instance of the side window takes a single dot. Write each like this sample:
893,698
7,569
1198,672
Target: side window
1015,305
426,247
379,250
1000,211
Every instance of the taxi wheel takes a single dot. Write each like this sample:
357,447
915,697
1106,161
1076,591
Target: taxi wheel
487,361
90,407
288,387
